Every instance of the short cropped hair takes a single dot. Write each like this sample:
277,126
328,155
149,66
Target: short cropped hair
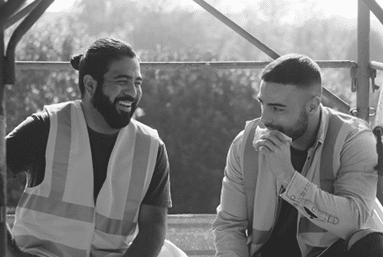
96,60
293,69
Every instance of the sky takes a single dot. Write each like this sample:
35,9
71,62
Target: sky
344,8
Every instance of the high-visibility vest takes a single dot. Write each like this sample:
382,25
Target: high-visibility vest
59,217
268,196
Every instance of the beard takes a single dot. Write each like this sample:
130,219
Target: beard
295,131
109,111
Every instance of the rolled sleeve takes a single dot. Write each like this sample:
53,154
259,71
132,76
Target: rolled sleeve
349,206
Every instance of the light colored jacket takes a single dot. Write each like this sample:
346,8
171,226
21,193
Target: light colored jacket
59,217
334,194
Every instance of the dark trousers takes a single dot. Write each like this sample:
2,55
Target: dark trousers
363,243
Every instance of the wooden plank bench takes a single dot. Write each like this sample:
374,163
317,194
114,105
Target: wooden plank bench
190,232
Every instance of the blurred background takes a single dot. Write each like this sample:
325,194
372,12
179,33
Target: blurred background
197,112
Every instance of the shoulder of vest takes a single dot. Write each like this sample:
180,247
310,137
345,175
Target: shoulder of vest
250,124
247,134
244,134
344,118
54,108
144,129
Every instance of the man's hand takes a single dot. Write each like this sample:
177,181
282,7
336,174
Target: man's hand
276,148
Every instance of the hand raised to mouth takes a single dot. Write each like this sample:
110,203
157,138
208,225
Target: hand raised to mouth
276,148
262,132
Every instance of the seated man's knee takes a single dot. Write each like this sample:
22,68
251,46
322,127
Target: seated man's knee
366,241
12,249
357,236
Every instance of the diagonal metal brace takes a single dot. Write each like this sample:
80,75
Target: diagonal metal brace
19,32
9,8
24,11
7,76
342,105
378,132
375,8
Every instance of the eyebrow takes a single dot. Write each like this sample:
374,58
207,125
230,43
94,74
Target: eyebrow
122,76
272,104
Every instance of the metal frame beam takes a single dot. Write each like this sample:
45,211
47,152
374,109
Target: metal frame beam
363,56
8,8
378,130
3,175
264,48
326,93
376,65
375,9
364,50
364,70
10,13
56,65
21,13
19,32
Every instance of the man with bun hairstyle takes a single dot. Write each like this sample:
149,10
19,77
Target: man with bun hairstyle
97,179
299,181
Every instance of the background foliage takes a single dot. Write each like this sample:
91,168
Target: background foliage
197,112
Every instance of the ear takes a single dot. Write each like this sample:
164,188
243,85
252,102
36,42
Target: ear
90,84
312,105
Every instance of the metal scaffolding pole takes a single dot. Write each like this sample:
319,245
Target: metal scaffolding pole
65,66
363,70
6,10
375,9
378,131
264,48
342,105
10,13
3,175
376,65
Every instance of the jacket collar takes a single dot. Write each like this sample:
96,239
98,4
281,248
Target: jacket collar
325,114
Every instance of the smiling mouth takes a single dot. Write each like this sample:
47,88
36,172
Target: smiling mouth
125,105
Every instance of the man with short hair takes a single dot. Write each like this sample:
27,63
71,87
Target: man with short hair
299,180
98,180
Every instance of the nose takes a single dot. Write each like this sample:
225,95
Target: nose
130,89
265,117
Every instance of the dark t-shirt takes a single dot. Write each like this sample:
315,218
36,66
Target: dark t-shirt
26,147
283,237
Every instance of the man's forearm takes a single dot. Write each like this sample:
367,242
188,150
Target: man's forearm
337,214
148,242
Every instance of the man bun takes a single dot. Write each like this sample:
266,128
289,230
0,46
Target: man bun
75,61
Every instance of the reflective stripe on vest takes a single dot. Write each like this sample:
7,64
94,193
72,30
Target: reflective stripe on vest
250,173
39,247
60,212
